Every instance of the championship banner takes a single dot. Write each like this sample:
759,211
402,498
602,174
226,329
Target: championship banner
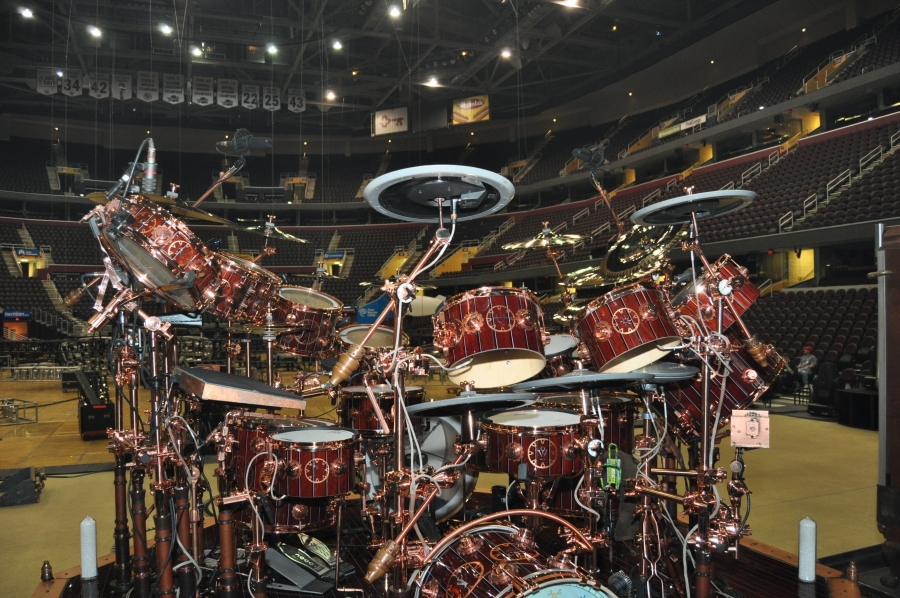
271,99
227,95
471,110
202,90
389,121
173,88
46,82
148,86
121,87
71,83
296,100
98,85
250,96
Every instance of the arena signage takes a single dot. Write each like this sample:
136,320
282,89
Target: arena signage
12,314
471,109
385,122
27,252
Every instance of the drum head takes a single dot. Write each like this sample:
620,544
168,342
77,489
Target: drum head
499,367
309,298
151,273
639,357
382,338
559,344
315,435
251,266
535,418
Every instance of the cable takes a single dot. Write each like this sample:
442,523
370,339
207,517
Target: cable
582,505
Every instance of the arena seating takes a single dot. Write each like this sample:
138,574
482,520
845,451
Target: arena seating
885,51
24,165
69,242
23,293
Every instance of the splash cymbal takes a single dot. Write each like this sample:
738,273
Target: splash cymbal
634,255
545,239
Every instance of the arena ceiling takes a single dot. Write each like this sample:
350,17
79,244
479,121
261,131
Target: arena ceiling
557,51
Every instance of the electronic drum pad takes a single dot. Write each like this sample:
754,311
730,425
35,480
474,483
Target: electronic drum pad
412,194
679,210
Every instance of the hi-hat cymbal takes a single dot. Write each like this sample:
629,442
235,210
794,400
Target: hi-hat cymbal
635,254
681,210
545,239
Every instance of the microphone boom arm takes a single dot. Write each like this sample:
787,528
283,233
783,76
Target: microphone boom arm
223,176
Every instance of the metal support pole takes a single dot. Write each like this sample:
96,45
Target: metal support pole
187,578
121,535
228,583
141,561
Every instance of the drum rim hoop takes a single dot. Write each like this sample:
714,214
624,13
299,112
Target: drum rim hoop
490,291
339,305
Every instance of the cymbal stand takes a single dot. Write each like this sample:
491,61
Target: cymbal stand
229,351
122,546
595,181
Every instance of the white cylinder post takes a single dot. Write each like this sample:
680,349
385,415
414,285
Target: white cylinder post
88,548
807,552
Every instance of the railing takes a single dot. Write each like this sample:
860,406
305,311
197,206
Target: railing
561,226
728,185
774,157
603,228
786,221
671,183
627,212
656,194
810,205
869,158
750,173
54,321
580,215
837,182
765,287
507,224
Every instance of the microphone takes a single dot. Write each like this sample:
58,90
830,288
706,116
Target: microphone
242,144
148,183
73,297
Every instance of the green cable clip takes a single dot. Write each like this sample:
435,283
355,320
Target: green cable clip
613,466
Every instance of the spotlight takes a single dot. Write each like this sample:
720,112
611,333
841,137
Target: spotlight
354,73
803,30
433,82
196,51
629,94
615,27
26,12
94,31
762,107
712,61
464,53
165,29
329,95
59,73
271,49
505,53
394,11
337,45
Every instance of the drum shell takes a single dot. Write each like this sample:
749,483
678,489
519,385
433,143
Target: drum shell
746,383
356,409
245,290
316,514
563,501
497,324
741,299
320,469
543,449
617,411
311,331
635,321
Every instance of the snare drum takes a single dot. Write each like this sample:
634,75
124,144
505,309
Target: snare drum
357,412
494,333
616,411
382,338
559,355
160,250
499,561
544,440
623,329
744,385
700,300
311,317
291,515
245,290
251,433
317,462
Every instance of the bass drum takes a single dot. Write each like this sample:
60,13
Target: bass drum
497,561
437,450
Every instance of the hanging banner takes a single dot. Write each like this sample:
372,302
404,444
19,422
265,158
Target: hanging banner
271,99
470,110
389,121
98,85
227,95
71,83
173,88
202,90
46,81
121,87
250,96
148,86
296,100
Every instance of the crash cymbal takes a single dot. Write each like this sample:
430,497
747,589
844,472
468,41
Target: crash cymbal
567,314
545,239
681,210
270,231
173,206
99,197
664,371
583,379
412,194
635,254
369,283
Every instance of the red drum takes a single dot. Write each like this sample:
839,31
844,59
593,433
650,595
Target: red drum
251,432
559,355
382,338
495,333
245,290
292,515
623,329
700,300
160,250
544,439
311,316
317,462
500,560
563,502
744,385
616,410
356,409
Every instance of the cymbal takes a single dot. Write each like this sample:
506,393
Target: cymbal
173,206
664,371
568,313
412,194
583,379
545,238
635,254
472,401
269,230
681,210
369,283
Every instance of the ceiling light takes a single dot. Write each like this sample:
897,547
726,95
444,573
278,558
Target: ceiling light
658,33
166,30
337,45
472,133
196,51
433,82
505,53
26,12
56,128
148,132
464,53
629,94
554,120
94,31
803,30
394,11
59,73
271,49
389,140
762,107
570,3
329,95
712,61
354,73
615,27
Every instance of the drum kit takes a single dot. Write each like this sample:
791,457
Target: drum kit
554,413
